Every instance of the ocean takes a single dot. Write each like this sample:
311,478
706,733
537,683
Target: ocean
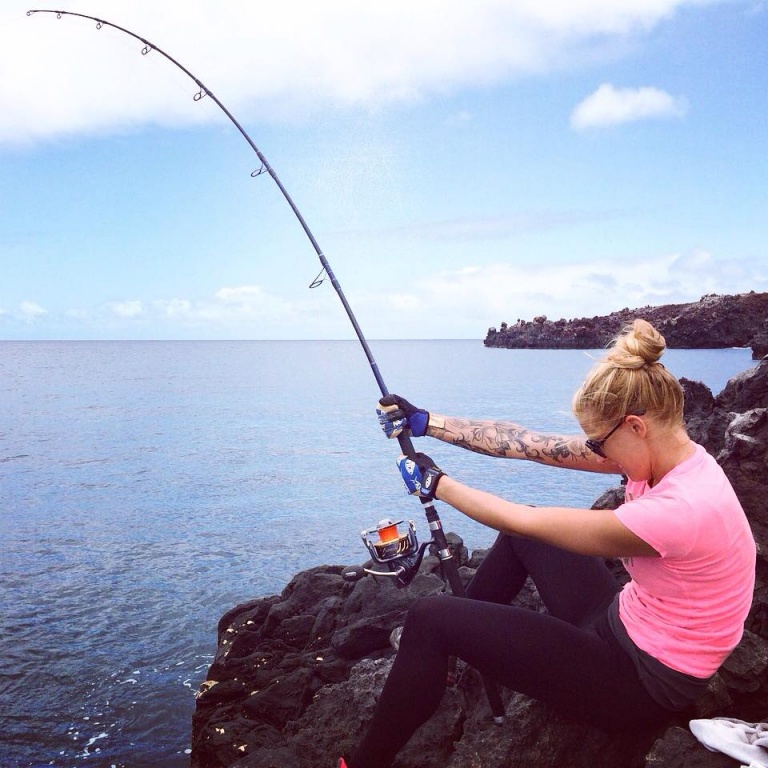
148,487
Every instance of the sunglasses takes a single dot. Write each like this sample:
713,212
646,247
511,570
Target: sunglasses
596,446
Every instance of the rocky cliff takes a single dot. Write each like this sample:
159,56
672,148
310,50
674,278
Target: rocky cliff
296,675
713,322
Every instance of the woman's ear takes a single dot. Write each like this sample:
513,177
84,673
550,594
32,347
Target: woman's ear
639,427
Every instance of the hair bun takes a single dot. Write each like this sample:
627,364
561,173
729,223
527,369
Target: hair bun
638,345
630,379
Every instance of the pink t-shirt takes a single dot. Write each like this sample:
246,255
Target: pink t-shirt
687,608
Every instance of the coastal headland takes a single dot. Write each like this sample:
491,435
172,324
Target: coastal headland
712,322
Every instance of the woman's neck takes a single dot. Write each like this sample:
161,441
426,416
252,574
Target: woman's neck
673,449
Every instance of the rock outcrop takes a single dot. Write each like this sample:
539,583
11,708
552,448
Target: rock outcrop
713,322
296,675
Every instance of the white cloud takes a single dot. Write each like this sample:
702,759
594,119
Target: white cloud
611,106
449,304
127,308
246,311
175,308
459,303
31,310
272,59
254,302
242,294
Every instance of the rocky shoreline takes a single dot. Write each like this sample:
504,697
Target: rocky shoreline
296,675
713,322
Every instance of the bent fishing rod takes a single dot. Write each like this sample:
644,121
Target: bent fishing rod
449,565
404,440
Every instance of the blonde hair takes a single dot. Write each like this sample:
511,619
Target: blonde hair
631,380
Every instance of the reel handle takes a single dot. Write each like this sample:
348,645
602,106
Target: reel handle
353,573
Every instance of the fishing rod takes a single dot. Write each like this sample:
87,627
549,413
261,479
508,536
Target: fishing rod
407,565
404,440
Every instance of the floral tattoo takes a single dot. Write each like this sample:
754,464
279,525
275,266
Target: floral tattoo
512,441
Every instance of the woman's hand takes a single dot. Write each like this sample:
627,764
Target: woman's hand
398,416
420,475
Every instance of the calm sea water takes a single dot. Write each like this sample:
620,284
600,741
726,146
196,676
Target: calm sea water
147,487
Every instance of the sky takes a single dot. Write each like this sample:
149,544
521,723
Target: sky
459,164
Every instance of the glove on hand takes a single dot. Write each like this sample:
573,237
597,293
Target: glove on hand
397,415
420,474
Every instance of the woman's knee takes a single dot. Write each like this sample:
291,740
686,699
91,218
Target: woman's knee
425,617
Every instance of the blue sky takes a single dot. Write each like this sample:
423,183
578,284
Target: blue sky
461,164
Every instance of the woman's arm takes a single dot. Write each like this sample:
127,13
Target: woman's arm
512,441
585,531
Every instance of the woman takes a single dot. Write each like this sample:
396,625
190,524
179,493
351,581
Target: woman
681,533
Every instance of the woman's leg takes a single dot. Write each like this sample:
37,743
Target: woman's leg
579,670
572,587
499,640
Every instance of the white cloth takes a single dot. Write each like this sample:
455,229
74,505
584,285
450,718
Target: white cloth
746,742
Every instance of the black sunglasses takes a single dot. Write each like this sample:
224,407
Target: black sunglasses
596,446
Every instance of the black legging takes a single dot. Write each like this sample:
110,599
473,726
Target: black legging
567,657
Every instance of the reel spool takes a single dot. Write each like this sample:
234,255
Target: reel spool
394,546
387,542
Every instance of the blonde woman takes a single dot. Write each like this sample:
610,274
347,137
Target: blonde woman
681,533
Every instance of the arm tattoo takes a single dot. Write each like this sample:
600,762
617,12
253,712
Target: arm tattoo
499,438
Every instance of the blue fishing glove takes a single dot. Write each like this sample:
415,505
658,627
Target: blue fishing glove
420,474
398,416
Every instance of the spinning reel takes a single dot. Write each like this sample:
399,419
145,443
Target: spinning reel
394,546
